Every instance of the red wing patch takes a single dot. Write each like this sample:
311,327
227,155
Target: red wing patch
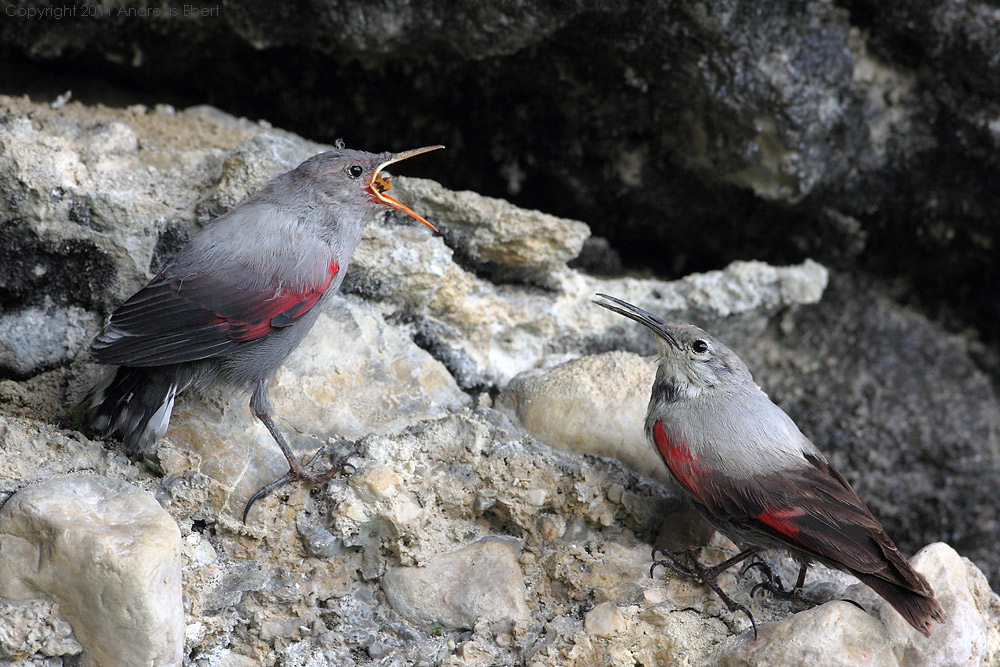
176,319
281,310
686,467
780,520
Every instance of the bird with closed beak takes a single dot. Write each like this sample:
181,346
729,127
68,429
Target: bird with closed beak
238,298
748,469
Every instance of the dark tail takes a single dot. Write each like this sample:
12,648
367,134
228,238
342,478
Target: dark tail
916,608
134,404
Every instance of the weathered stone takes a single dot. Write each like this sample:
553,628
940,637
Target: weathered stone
493,231
477,583
109,555
37,339
353,375
604,620
591,405
34,627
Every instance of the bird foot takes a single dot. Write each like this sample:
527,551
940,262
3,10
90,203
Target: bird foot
690,568
298,471
771,583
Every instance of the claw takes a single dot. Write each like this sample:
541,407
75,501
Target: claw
298,470
692,569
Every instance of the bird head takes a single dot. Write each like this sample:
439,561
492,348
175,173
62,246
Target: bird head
356,178
691,363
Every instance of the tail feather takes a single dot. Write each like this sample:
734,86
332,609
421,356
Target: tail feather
134,404
917,608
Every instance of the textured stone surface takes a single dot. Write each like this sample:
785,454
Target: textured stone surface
591,405
495,232
352,376
425,315
109,555
34,627
710,131
35,339
838,633
460,589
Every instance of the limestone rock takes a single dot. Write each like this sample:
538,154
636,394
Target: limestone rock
109,555
972,613
494,232
591,405
353,375
34,627
480,582
37,339
839,633
604,620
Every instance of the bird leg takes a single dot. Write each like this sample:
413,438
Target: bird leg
772,582
690,568
260,405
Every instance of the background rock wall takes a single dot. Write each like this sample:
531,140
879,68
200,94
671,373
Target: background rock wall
850,146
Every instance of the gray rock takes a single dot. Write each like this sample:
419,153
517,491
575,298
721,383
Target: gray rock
655,131
109,555
37,339
481,582
493,232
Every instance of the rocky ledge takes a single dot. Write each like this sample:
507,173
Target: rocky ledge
504,505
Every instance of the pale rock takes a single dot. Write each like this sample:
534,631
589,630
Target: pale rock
456,590
352,375
972,614
592,405
604,620
109,555
486,334
837,634
493,230
34,627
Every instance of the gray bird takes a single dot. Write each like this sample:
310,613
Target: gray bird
749,470
238,298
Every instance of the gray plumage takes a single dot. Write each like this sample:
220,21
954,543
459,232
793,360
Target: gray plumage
239,297
752,473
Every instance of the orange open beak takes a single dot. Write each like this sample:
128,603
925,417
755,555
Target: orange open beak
380,184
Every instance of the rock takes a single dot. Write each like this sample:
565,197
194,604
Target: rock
486,335
839,633
353,375
836,634
109,555
458,590
591,405
603,620
36,339
101,197
493,232
34,627
971,611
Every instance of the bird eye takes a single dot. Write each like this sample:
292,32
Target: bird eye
699,346
355,170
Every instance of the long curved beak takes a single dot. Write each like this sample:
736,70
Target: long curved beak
647,319
379,184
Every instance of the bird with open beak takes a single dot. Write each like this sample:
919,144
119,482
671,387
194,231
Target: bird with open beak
238,298
748,469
